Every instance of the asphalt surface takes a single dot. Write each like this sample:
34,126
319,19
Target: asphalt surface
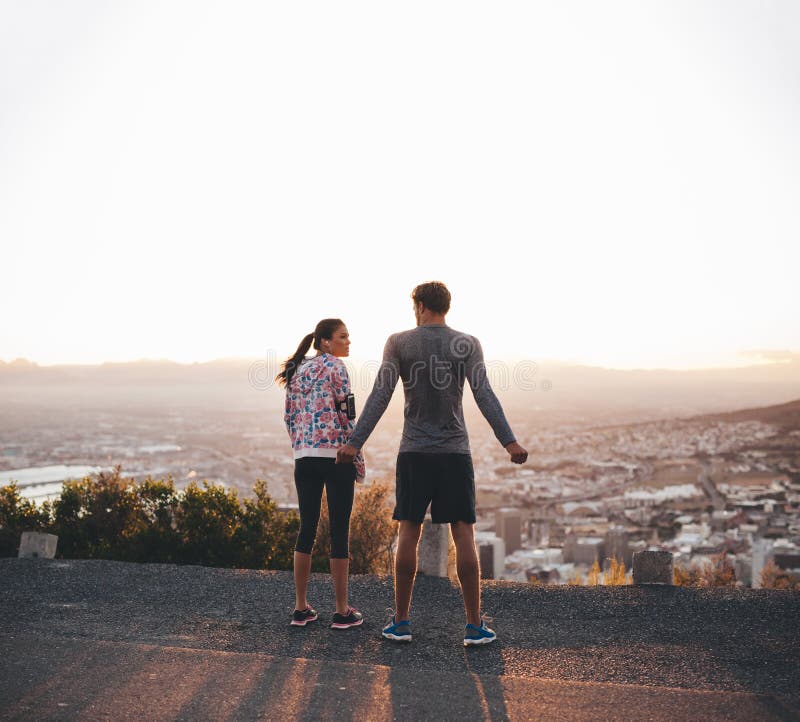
110,640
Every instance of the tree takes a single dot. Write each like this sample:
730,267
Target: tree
266,535
207,522
93,515
109,516
151,535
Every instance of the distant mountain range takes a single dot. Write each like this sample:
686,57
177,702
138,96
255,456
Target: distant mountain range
147,370
562,390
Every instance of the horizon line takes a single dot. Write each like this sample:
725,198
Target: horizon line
768,357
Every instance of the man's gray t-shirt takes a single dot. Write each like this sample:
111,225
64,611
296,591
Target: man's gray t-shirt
433,361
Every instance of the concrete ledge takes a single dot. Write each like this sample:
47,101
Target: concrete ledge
651,567
35,544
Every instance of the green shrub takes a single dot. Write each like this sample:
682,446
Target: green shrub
109,516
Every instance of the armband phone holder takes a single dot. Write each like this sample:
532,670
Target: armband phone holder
349,406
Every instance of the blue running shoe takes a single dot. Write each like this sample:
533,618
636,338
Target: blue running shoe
396,631
479,635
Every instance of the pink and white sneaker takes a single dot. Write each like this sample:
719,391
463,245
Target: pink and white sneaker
301,618
344,621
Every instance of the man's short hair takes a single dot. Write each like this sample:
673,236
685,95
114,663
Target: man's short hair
434,295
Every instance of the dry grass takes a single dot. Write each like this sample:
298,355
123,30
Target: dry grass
616,575
719,573
773,577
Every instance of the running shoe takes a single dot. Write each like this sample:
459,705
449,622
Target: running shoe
344,621
396,631
479,635
301,618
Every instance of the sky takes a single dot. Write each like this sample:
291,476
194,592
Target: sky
609,183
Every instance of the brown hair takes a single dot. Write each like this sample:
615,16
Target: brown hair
434,295
324,329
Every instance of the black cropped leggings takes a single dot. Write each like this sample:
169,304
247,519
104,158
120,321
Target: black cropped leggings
310,475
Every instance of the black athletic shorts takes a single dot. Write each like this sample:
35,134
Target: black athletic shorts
445,481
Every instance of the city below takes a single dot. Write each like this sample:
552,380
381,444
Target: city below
596,488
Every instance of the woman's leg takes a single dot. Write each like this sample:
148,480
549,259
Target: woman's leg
309,496
302,572
340,488
340,570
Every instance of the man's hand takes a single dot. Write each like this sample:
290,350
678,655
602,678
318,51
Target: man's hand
518,454
347,454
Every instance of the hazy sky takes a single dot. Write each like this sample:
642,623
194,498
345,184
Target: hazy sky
612,183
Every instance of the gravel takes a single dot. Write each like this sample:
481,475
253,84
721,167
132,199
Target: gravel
714,639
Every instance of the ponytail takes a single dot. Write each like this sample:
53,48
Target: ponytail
288,368
325,329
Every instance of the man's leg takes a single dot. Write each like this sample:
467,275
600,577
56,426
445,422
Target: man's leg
468,571
405,568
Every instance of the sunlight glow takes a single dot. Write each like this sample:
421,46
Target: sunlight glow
612,184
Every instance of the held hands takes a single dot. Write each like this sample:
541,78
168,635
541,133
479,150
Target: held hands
518,454
347,454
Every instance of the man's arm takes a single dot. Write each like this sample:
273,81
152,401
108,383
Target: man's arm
382,390
489,404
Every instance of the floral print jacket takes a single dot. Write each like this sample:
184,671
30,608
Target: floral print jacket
316,424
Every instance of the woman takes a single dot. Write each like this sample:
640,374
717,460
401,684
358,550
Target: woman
316,419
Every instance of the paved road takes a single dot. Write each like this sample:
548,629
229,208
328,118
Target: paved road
100,640
704,477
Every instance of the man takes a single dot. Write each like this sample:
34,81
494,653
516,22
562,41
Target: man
434,464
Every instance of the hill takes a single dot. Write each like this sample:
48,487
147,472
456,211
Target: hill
787,415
